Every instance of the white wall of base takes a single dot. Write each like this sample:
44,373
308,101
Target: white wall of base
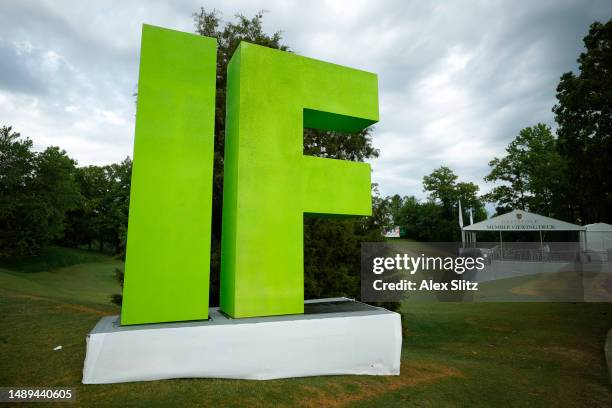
363,341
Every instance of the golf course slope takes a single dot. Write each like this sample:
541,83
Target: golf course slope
481,354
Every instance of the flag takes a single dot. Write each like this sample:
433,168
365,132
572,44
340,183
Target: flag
471,217
460,216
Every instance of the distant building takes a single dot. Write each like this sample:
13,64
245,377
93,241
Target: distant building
394,232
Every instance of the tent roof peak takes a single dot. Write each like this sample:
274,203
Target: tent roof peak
520,220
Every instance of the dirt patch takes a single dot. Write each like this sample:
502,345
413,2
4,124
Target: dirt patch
501,328
564,286
339,394
58,304
576,356
26,296
471,321
80,308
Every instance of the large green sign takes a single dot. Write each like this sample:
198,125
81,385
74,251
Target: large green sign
269,184
168,247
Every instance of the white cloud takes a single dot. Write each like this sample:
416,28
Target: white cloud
457,80
51,60
22,47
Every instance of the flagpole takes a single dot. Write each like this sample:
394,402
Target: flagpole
461,226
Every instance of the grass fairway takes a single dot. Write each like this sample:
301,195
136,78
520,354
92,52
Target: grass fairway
496,354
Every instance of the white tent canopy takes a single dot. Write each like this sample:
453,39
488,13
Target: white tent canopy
599,227
519,220
599,236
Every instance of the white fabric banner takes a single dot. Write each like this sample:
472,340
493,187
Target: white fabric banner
362,342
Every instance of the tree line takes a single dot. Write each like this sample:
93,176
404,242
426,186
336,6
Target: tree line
567,175
46,198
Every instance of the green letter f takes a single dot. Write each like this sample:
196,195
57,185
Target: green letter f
269,184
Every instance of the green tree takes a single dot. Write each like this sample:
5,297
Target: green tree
395,204
112,219
55,185
407,214
467,193
16,175
36,191
584,115
436,219
441,185
103,211
444,189
420,220
83,227
531,175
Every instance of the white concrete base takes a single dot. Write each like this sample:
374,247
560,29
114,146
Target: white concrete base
334,336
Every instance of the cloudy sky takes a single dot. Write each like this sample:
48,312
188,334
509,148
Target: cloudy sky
457,80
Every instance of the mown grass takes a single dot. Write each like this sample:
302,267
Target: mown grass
75,275
481,354
53,257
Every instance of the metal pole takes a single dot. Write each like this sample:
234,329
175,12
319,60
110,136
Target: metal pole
541,246
541,239
501,244
583,245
